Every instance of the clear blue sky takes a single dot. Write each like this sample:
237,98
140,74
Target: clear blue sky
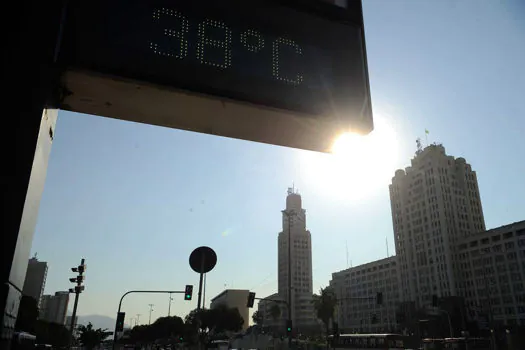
134,200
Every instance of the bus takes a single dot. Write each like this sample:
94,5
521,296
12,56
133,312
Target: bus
371,341
23,341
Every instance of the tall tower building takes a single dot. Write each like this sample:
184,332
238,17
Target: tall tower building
435,203
35,279
294,232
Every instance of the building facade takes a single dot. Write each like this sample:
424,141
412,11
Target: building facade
295,232
35,280
356,289
54,307
271,309
435,203
234,298
492,278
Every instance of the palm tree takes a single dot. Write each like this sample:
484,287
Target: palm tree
324,305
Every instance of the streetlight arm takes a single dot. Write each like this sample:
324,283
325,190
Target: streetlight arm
139,291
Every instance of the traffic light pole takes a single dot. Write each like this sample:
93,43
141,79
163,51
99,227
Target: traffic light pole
73,316
78,289
137,291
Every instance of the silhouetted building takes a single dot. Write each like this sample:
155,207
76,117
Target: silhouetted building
54,307
234,298
35,280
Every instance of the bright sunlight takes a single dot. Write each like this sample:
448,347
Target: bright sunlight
359,165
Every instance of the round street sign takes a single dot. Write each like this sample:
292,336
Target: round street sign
203,259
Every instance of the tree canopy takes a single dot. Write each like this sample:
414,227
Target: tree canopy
91,337
325,303
216,320
198,324
258,318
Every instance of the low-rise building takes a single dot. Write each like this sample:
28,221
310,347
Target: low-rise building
53,308
492,265
234,298
356,289
272,308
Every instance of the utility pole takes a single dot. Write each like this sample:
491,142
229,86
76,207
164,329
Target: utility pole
204,293
79,288
150,311
169,305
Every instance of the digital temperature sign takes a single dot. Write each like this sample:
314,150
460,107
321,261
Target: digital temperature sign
301,57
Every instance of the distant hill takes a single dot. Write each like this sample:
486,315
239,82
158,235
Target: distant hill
98,321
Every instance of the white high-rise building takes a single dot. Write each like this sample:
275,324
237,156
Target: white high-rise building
435,204
294,231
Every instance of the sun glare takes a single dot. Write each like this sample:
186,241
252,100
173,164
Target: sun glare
358,166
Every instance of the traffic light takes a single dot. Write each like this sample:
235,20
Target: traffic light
181,338
251,299
188,292
120,322
379,298
434,300
80,269
288,327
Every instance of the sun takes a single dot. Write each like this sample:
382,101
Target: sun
358,167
